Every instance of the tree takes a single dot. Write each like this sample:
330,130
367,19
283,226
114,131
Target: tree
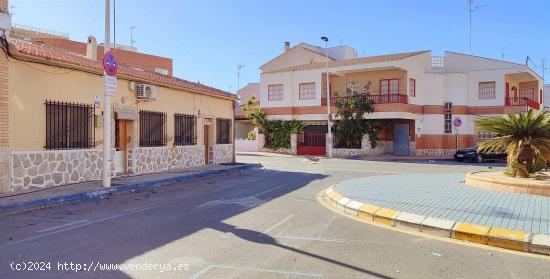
525,138
277,132
352,125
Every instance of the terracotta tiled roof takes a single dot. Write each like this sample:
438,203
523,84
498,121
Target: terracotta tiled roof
48,53
354,61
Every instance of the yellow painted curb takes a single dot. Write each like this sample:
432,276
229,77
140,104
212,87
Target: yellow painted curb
367,211
385,216
509,239
469,232
335,196
499,238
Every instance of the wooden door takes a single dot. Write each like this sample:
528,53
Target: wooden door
206,144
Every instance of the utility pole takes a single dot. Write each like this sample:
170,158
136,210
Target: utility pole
329,115
107,106
132,41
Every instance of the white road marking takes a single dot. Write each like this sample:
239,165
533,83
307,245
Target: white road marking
325,239
311,238
64,225
278,224
326,226
49,219
269,190
75,227
265,270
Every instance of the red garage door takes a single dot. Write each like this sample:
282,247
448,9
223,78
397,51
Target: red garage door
312,141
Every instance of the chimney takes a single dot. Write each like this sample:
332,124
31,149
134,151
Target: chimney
91,48
287,46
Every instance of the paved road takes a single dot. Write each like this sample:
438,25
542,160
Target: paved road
261,223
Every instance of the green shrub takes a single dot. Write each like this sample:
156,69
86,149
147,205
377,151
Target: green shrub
251,135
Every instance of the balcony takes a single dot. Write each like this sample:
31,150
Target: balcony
375,99
522,101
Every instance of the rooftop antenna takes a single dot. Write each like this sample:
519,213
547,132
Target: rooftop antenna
341,42
502,54
470,10
132,41
12,13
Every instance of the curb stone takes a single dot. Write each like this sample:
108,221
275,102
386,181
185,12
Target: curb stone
491,236
409,221
98,194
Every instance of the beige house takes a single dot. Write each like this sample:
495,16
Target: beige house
426,104
51,119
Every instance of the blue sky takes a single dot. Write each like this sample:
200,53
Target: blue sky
208,39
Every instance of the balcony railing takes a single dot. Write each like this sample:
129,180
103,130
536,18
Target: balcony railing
522,101
375,99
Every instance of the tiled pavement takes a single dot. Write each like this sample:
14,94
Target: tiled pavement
446,196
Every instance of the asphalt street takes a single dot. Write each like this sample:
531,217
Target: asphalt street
259,223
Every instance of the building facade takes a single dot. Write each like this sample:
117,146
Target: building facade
51,118
427,105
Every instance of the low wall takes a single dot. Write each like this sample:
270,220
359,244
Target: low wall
347,152
55,167
221,153
442,153
245,145
293,150
143,160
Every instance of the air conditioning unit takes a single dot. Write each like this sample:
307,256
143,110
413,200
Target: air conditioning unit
146,92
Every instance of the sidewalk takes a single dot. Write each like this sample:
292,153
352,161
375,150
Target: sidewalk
33,198
444,205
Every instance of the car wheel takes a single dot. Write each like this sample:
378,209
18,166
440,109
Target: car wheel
460,160
480,158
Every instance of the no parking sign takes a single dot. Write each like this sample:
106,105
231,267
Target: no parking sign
457,122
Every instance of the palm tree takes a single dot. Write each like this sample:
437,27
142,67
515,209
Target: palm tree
524,137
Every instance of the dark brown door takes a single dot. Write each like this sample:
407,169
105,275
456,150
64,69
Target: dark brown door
206,144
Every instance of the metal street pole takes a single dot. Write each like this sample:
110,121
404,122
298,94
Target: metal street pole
329,118
107,107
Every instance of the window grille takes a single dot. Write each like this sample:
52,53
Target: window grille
69,125
185,129
152,128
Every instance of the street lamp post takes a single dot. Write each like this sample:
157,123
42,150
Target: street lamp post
329,118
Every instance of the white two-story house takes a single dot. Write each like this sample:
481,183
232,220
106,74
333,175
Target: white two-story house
426,104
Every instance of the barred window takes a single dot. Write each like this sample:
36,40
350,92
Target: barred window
527,93
389,86
223,131
412,87
69,125
275,92
487,90
152,128
448,117
307,91
185,129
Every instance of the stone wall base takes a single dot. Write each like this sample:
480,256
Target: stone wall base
443,153
55,167
5,170
142,160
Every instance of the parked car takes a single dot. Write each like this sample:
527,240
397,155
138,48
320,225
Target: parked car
473,155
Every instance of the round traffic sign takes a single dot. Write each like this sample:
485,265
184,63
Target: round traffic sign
457,122
109,64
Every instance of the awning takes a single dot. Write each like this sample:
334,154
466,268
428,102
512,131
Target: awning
126,113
